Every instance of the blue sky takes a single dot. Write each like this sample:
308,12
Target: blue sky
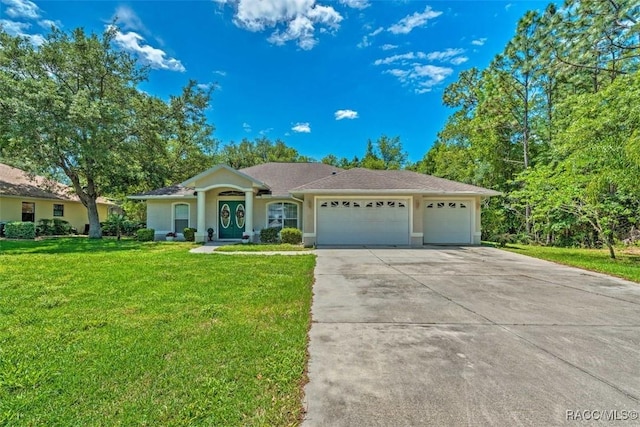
323,76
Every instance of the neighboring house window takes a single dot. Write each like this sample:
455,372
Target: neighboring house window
28,212
180,217
282,215
58,210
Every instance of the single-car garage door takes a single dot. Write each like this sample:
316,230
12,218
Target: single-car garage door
447,221
363,222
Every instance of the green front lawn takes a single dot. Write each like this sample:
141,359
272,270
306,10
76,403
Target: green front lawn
126,333
261,247
627,264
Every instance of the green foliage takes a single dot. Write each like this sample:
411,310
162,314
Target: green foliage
189,234
269,235
117,224
385,153
92,123
145,234
53,227
262,150
20,230
291,235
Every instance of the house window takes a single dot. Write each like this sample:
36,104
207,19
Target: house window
283,215
180,217
58,210
28,212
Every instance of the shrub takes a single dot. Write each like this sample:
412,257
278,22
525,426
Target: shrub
146,234
45,227
291,235
189,234
269,235
127,227
20,230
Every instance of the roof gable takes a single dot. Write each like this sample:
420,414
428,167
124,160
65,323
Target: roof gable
222,174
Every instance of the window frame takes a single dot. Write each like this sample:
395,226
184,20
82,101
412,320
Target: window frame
173,216
59,211
282,203
22,211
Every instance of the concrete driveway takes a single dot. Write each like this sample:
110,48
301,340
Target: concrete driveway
469,336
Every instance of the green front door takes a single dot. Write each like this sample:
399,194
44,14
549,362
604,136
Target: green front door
231,220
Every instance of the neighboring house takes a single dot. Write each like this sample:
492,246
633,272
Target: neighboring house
330,205
32,198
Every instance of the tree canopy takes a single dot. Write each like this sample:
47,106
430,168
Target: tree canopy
72,106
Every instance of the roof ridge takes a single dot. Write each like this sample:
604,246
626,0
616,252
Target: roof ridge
325,177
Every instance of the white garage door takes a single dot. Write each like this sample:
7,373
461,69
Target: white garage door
447,221
363,222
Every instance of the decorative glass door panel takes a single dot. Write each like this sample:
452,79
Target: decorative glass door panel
231,219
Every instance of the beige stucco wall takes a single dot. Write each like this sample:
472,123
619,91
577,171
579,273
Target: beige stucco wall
74,212
160,212
160,215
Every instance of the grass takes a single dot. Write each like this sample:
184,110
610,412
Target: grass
124,333
261,247
626,266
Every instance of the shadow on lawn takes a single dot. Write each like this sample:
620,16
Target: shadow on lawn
67,245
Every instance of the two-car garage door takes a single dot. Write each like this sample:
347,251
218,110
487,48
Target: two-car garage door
363,222
351,221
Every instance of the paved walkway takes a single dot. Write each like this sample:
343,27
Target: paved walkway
211,247
468,336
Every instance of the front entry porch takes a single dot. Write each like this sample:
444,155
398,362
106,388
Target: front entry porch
230,216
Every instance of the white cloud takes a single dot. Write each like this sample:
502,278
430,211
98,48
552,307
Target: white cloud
459,60
444,55
17,29
246,127
48,23
356,4
507,6
376,31
479,42
293,20
428,76
265,131
346,114
155,58
21,9
128,20
364,42
409,22
388,46
401,58
220,72
301,128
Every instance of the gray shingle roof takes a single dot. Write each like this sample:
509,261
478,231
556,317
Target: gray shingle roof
282,177
174,190
16,182
286,178
360,179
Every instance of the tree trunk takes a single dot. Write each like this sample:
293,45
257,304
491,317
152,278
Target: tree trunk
612,253
95,231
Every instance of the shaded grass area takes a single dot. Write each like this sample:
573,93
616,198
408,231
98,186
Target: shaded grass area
127,333
261,247
626,266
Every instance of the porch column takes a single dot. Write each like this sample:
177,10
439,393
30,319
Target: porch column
248,212
202,232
